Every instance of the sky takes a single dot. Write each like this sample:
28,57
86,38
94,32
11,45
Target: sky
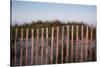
28,11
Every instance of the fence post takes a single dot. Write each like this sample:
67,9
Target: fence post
76,43
32,49
42,57
52,35
91,42
15,57
21,52
26,45
86,42
82,43
46,45
67,44
62,44
72,44
57,44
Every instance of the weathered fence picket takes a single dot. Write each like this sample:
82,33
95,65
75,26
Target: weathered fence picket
77,43
57,42
42,57
67,44
52,35
27,33
82,43
21,47
32,49
62,44
86,53
72,43
46,45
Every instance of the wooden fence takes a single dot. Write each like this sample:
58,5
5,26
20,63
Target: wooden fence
62,46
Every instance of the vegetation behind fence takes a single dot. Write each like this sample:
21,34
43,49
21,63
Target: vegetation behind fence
40,24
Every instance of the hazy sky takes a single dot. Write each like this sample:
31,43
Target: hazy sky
24,11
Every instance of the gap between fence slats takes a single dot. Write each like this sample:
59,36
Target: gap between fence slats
37,46
91,43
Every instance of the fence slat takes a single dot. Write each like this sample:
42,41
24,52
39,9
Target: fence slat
26,46
91,43
42,58
86,43
37,46
57,44
72,44
67,44
15,57
46,45
77,43
32,45
82,43
62,44
21,52
52,35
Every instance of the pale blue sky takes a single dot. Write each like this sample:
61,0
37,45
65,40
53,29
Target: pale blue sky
27,11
